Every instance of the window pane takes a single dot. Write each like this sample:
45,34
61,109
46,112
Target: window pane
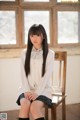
36,0
68,27
7,27
7,0
67,0
36,17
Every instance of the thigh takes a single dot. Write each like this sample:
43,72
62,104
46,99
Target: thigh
24,102
37,104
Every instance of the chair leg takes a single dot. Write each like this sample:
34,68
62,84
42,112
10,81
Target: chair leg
46,112
63,110
53,113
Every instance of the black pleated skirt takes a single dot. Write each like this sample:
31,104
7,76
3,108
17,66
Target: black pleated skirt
42,98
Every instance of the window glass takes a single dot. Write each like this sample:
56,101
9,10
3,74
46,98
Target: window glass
36,17
7,27
7,0
67,0
68,27
36,0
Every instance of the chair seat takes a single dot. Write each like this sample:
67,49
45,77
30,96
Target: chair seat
57,99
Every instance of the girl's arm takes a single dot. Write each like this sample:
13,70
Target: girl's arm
24,81
48,74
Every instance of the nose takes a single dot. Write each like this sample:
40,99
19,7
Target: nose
35,38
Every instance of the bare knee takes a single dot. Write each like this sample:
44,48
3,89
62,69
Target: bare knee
25,103
35,109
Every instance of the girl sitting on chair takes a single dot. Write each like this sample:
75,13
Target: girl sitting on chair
36,75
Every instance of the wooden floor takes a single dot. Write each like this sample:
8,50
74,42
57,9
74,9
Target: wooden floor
72,113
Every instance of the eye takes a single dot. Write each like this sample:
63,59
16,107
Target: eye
32,35
38,34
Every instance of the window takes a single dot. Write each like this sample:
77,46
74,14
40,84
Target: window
36,0
7,27
61,19
7,0
68,27
68,1
38,17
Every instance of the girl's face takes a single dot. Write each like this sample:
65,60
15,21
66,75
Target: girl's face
36,40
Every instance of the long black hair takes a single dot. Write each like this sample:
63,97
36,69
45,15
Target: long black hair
36,30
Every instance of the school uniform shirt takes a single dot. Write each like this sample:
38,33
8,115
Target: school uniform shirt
35,82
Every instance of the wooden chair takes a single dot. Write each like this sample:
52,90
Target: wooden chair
59,95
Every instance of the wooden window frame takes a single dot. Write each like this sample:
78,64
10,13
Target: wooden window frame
63,7
53,6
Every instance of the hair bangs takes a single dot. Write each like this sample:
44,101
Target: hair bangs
35,30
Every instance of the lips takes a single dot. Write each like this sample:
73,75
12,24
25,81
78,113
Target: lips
35,42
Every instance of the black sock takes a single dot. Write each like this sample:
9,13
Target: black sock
42,118
23,118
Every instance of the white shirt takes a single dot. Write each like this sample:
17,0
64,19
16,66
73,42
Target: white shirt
35,82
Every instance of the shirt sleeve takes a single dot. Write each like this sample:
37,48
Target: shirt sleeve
48,74
24,87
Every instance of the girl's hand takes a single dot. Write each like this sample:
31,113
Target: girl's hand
33,96
30,95
27,94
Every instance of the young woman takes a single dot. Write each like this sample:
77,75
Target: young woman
36,71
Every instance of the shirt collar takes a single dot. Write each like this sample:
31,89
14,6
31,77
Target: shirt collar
36,50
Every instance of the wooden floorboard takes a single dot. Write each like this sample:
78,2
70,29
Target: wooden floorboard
72,113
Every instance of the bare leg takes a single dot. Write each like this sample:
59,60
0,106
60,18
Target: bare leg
36,109
25,106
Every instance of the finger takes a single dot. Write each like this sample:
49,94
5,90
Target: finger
26,97
31,97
